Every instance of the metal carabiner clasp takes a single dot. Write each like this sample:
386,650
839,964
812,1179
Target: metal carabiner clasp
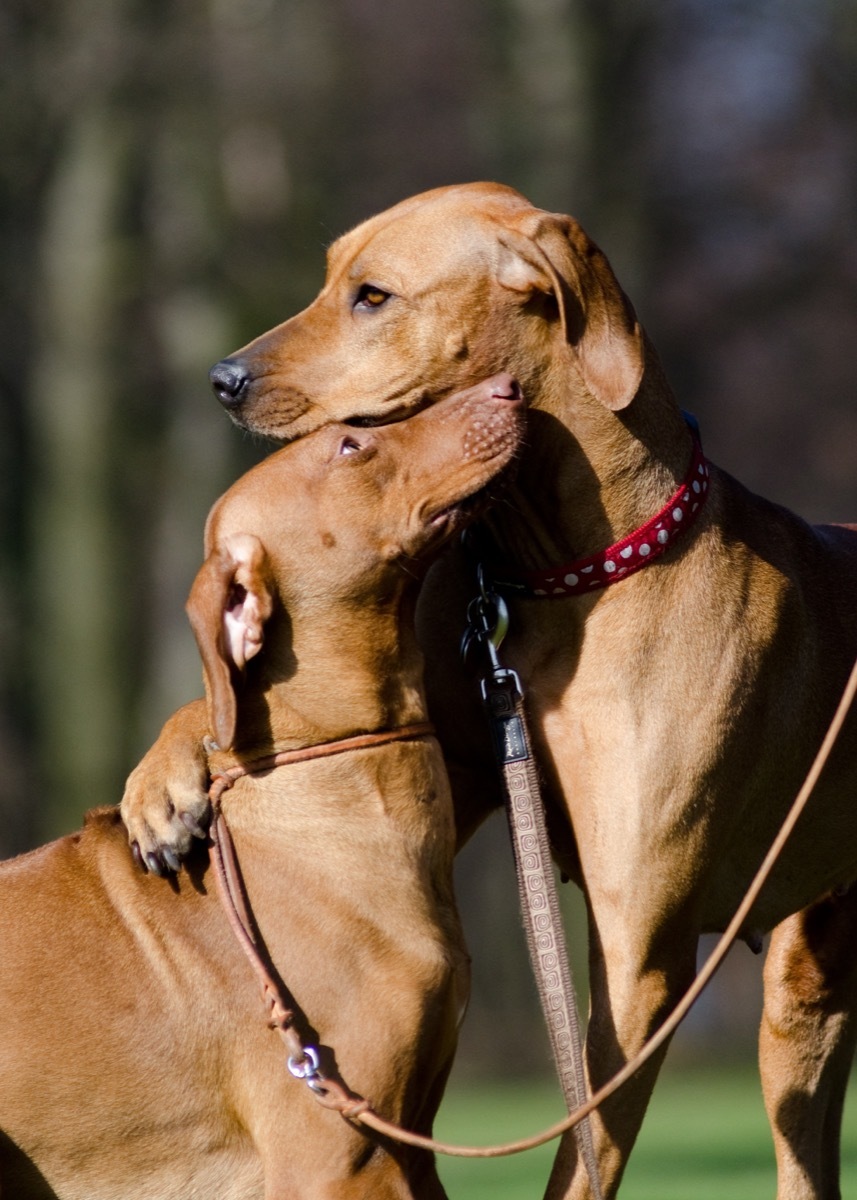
495,615
487,624
487,621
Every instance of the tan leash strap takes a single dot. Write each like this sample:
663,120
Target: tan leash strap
487,624
539,900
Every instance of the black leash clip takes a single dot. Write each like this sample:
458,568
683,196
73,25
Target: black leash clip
487,623
487,626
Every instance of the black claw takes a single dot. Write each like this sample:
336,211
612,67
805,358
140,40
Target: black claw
137,855
170,859
155,865
193,826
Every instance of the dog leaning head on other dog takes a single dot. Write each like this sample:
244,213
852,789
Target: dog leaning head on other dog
447,288
137,1057
674,715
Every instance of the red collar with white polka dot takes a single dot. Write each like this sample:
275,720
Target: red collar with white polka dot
635,551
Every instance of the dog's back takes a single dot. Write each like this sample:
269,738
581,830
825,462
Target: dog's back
107,1082
137,1059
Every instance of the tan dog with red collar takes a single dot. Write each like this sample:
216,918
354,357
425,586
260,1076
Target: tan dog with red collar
136,1060
674,714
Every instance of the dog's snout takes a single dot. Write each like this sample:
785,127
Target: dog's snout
229,379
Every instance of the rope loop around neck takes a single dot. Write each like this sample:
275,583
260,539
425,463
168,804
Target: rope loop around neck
223,780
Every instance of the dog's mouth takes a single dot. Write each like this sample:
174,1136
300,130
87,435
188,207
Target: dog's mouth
393,417
452,517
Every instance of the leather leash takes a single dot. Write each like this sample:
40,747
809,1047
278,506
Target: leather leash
303,1059
503,695
303,1062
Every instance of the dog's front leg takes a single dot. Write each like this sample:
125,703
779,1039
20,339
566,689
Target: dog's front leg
636,979
166,800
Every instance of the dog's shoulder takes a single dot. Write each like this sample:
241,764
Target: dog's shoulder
782,536
105,817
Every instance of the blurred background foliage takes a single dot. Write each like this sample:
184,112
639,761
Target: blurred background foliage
170,175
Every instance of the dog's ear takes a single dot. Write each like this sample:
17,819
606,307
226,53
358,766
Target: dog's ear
229,603
551,253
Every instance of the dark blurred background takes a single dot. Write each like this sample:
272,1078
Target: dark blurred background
170,175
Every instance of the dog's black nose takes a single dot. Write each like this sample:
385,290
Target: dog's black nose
229,379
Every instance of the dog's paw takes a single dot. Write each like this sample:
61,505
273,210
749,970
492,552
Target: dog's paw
165,813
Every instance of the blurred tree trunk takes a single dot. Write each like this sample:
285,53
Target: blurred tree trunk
26,142
549,105
78,693
126,459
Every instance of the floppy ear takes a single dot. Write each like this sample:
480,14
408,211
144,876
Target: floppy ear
229,603
552,254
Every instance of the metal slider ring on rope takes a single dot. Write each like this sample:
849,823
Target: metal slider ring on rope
370,1118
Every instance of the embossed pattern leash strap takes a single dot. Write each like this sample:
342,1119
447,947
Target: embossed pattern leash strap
539,900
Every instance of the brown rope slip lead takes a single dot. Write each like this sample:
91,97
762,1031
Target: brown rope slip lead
303,1060
332,1095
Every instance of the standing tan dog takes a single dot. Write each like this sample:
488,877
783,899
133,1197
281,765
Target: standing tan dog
675,713
135,1055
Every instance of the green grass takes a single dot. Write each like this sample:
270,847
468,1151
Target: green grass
705,1138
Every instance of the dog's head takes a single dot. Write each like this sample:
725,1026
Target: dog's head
343,522
440,291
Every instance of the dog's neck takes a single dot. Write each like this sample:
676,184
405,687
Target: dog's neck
590,476
329,672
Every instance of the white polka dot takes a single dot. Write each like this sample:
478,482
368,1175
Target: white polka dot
627,552
645,549
677,514
696,486
609,567
571,579
663,537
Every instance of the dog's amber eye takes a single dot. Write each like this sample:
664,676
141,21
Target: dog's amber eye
370,296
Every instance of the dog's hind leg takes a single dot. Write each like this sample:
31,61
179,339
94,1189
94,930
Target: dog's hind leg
807,1042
